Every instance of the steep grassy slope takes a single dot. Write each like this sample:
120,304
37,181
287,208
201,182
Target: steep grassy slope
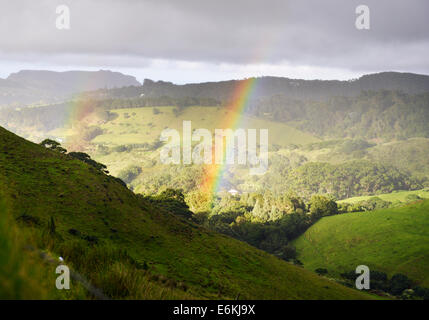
389,240
19,278
130,249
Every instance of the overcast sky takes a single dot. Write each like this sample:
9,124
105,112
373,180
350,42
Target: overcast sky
200,40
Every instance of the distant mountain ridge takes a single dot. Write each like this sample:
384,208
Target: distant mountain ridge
294,88
268,86
41,86
38,87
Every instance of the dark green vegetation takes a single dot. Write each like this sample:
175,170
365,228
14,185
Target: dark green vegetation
125,244
271,222
398,285
265,221
358,177
384,115
394,241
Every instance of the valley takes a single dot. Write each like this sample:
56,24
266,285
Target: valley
347,183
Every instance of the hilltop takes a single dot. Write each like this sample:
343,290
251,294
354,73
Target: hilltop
128,246
270,86
41,86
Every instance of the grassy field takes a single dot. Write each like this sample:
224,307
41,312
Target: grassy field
392,197
143,125
130,249
136,126
389,240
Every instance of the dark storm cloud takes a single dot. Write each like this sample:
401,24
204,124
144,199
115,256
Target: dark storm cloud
317,33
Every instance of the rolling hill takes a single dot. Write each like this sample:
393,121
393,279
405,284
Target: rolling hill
140,125
125,245
41,86
121,141
388,240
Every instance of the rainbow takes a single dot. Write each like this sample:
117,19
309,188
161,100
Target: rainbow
240,98
78,113
81,108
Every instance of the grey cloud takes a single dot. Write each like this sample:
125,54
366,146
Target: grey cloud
319,33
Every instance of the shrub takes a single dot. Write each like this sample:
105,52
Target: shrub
129,174
378,275
398,283
87,159
288,252
349,275
422,292
90,133
412,197
321,206
374,203
53,145
321,271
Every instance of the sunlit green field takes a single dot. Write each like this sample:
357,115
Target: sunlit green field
392,197
389,240
143,125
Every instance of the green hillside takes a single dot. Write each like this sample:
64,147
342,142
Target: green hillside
125,143
126,246
400,196
145,125
388,240
23,273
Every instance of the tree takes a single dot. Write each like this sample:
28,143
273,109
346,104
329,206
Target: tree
321,271
129,174
321,206
290,203
170,193
258,211
87,159
288,252
398,283
53,145
199,201
173,200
